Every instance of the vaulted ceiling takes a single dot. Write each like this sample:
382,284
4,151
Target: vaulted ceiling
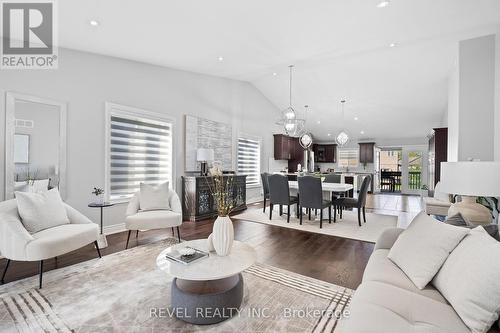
340,49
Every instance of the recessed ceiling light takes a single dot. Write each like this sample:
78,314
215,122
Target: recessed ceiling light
329,134
362,132
274,74
383,4
392,45
94,23
356,118
319,122
221,59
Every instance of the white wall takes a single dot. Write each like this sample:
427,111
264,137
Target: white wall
497,95
453,114
86,81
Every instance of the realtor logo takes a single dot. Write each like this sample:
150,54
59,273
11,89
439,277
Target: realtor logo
28,35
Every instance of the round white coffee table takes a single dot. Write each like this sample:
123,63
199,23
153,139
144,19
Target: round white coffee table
209,290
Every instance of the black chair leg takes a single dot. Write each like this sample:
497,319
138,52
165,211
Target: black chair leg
179,234
264,203
128,239
300,214
364,215
271,211
359,216
97,248
310,214
330,214
341,209
281,210
5,272
315,212
298,207
173,232
321,218
137,234
288,215
41,274
335,214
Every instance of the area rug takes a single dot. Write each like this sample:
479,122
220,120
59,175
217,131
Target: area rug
125,292
347,227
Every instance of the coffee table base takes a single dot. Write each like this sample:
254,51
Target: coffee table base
207,302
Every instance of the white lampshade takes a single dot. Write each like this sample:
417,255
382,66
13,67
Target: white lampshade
204,154
471,178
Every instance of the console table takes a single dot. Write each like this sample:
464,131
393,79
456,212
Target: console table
198,202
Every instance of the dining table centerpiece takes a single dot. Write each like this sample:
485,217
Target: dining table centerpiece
222,189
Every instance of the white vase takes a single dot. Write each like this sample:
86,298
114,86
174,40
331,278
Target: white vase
223,235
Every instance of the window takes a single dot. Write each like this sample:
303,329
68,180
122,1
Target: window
348,158
139,150
249,160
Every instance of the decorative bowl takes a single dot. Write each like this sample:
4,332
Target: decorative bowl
187,251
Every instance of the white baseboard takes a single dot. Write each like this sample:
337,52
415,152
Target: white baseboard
114,229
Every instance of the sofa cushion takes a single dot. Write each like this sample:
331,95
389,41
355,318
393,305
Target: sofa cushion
53,242
154,197
381,308
41,211
436,202
155,219
470,280
422,249
381,269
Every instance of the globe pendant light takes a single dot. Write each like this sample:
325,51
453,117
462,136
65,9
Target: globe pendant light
342,138
289,114
305,138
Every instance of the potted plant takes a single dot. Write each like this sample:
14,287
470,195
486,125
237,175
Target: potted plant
222,189
99,194
424,191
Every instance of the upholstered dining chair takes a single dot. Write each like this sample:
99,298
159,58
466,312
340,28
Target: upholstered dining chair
265,187
311,197
137,220
17,244
358,203
279,194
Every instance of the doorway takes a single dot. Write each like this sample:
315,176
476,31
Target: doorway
390,165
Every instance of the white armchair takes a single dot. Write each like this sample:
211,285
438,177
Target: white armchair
17,244
439,204
153,219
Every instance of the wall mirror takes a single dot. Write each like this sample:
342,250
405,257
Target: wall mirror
35,142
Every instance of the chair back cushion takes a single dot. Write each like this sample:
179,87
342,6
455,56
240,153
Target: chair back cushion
154,197
279,193
310,192
441,195
333,178
40,211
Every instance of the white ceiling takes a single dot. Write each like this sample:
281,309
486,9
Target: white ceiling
340,49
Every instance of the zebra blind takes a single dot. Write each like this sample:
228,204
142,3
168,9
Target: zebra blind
140,152
348,157
249,160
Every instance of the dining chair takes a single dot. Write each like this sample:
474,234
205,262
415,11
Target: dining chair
311,197
265,187
279,194
358,203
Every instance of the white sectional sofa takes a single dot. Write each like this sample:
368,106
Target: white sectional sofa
387,301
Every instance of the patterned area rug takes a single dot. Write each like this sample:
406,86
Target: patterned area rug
347,227
125,292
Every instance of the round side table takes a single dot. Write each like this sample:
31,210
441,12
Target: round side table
209,290
102,242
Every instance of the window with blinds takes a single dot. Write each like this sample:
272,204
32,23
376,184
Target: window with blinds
249,160
140,151
348,157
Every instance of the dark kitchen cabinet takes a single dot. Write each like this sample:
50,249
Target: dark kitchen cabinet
438,152
282,147
366,152
325,153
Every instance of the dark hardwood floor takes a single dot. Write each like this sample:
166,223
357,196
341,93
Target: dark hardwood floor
337,260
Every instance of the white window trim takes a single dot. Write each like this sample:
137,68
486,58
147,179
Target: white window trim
124,110
250,137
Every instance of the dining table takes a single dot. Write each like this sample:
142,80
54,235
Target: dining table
326,187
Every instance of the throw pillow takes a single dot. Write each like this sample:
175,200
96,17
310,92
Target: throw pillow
39,211
470,280
154,197
457,220
422,249
460,221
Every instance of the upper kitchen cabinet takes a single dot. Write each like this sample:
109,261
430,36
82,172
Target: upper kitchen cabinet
325,153
282,147
366,152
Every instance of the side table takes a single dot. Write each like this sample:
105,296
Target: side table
102,241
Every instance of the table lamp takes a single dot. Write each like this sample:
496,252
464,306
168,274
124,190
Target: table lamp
470,180
204,155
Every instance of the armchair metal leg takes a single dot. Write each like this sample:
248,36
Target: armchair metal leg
179,234
128,239
5,272
98,250
41,274
364,215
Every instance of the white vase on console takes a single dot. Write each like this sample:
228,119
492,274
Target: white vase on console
222,236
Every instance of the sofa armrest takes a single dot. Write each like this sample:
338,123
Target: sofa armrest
175,203
13,238
388,238
75,217
133,205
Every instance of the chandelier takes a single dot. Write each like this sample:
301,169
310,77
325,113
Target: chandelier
293,126
342,138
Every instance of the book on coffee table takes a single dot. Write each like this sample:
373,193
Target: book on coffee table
176,256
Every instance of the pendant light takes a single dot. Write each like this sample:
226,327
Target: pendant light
305,138
289,114
342,138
